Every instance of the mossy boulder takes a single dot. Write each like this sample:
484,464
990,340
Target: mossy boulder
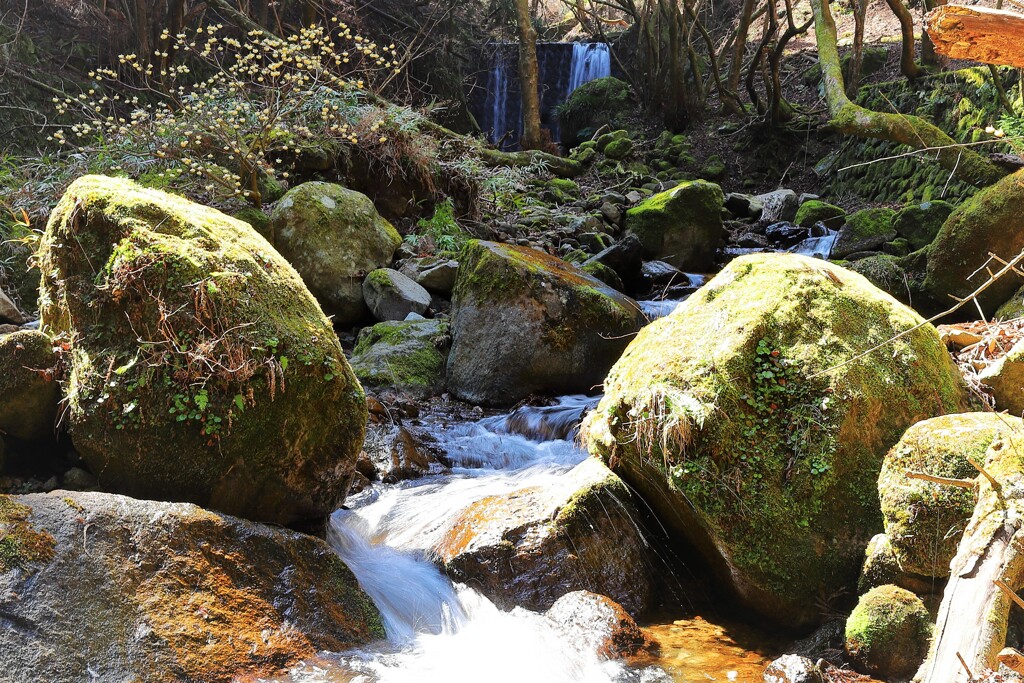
816,211
390,295
530,547
682,226
333,236
525,322
756,430
888,633
865,230
619,149
165,592
597,103
881,567
923,520
992,221
29,391
1005,378
409,356
886,273
1013,308
920,223
200,367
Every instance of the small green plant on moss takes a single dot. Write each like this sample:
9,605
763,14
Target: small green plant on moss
441,230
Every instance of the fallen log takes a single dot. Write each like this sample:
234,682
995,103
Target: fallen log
990,36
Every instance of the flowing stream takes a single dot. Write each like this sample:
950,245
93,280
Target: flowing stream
445,633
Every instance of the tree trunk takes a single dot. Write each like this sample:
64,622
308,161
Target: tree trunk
739,49
908,66
846,117
860,9
529,76
928,54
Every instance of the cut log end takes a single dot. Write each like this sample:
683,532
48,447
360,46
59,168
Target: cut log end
979,34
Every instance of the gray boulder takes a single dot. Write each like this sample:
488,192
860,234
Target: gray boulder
780,205
406,355
599,624
392,296
9,313
432,273
792,669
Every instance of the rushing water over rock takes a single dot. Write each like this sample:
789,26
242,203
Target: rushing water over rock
562,68
817,247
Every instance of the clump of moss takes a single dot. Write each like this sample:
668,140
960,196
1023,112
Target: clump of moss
409,356
888,633
29,391
21,545
597,103
753,423
815,211
920,223
682,226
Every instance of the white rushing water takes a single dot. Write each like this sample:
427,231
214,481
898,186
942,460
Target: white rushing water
437,632
590,61
816,247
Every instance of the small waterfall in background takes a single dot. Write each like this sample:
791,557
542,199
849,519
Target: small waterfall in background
562,67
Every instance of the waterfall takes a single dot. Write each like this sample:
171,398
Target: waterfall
590,61
562,67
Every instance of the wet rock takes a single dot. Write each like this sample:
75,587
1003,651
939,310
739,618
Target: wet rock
924,521
866,230
682,226
920,223
333,237
792,669
394,454
658,274
29,391
392,296
888,632
601,625
195,339
9,313
725,383
525,322
432,273
8,329
165,592
752,240
743,206
785,235
533,546
604,274
624,257
1005,378
409,356
780,205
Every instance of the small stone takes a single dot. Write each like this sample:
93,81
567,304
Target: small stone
9,313
77,479
392,296
792,669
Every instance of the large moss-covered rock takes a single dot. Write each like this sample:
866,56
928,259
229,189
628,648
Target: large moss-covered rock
526,322
333,236
97,586
532,546
406,355
924,520
992,221
888,632
816,211
752,424
682,226
881,567
920,223
201,368
1005,378
886,273
597,103
865,230
28,385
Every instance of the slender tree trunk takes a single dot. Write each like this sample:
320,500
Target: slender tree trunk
529,76
860,8
928,54
739,49
908,66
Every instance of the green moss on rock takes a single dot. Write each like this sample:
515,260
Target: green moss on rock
887,634
815,211
28,385
200,367
745,421
865,230
21,544
925,521
406,355
682,226
920,223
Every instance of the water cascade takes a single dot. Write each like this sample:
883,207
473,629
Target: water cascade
562,67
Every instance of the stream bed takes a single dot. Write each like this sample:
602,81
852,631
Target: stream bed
445,633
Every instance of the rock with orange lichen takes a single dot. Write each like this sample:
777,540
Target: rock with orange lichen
530,547
110,588
526,322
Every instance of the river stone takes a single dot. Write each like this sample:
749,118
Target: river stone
682,226
392,296
532,546
924,521
723,418
780,205
792,669
393,453
865,231
29,391
101,587
406,355
525,322
624,258
1005,378
189,335
333,236
743,206
888,633
432,273
599,624
9,313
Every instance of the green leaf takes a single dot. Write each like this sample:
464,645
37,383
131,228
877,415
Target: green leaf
240,402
